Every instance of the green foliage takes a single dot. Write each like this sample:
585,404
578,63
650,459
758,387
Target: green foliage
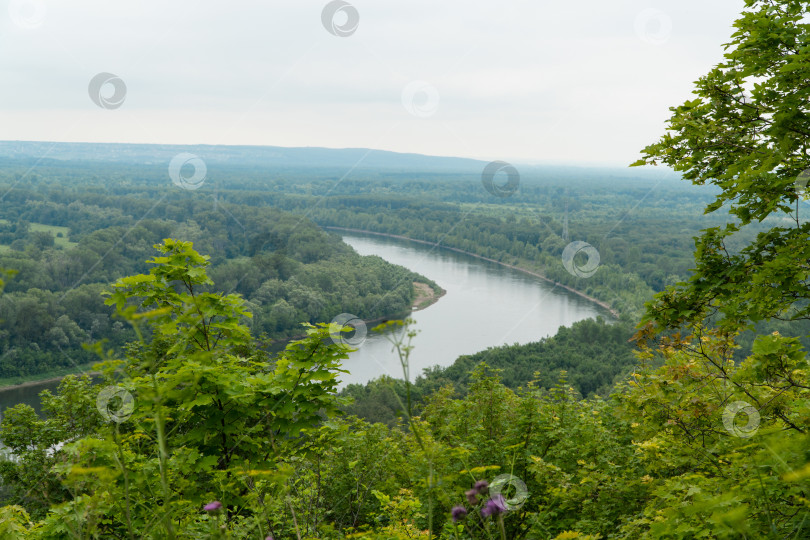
706,440
14,522
215,418
30,480
286,269
592,355
746,133
6,274
724,443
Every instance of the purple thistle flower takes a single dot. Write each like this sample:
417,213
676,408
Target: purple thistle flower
496,505
472,496
500,502
212,506
458,513
481,486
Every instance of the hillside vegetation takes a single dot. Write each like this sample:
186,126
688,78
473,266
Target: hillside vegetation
197,431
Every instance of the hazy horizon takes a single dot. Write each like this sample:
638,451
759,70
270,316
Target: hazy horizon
514,161
583,85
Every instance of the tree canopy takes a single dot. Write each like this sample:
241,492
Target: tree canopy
746,132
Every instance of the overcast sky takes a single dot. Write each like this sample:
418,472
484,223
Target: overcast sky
585,81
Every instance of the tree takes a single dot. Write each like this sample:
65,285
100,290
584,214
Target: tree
747,133
202,414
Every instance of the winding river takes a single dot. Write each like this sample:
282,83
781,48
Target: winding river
486,305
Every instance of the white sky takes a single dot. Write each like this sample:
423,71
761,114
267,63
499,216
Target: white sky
582,81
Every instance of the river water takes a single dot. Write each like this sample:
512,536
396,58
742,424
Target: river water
486,305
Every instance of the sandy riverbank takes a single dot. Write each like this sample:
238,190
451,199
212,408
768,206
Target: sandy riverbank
425,296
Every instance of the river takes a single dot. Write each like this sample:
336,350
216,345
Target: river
486,305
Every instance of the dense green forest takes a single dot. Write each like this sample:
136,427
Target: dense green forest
66,253
686,418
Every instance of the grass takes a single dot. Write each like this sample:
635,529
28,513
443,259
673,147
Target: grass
53,229
63,241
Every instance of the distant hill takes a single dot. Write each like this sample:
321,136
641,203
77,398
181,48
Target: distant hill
261,156
329,161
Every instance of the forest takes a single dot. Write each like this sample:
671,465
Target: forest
64,254
687,417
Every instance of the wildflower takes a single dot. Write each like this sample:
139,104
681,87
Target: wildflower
212,506
458,513
481,486
472,496
496,505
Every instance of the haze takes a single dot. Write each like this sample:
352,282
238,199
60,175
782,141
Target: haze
586,82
